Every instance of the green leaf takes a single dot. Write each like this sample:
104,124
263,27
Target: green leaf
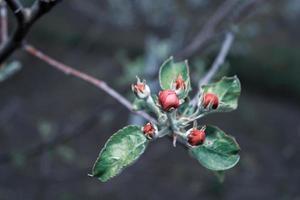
228,90
169,72
121,150
218,152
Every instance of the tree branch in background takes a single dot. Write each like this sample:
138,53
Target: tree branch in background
218,62
83,76
3,22
26,17
209,29
231,12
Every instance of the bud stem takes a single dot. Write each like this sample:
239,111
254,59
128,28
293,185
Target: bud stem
153,107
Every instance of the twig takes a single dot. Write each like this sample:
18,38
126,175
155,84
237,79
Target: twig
218,62
209,29
3,15
26,17
90,79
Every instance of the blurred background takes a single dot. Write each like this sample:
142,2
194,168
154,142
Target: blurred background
53,126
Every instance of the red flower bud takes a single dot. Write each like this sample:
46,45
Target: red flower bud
179,83
210,98
196,137
149,130
168,99
141,89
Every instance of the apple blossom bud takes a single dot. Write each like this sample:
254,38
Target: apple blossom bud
168,100
210,99
149,130
196,136
141,89
179,83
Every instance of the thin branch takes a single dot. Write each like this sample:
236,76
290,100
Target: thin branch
231,12
209,29
26,17
90,79
3,21
218,62
18,10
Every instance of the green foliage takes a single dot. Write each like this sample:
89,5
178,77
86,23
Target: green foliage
121,150
228,90
218,152
170,71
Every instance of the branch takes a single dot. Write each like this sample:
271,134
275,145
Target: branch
3,21
90,79
218,62
26,17
209,29
233,12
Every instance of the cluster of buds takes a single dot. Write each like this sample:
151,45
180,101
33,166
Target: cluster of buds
168,101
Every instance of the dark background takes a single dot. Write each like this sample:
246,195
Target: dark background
52,126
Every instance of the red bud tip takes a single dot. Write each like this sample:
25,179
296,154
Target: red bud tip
168,99
139,87
179,83
149,130
210,98
196,137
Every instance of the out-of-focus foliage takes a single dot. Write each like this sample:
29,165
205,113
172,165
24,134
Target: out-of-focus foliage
9,69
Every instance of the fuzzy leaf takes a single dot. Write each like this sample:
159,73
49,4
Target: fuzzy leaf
169,72
218,152
121,150
228,90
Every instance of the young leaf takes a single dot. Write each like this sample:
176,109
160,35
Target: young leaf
169,73
218,152
228,90
121,150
